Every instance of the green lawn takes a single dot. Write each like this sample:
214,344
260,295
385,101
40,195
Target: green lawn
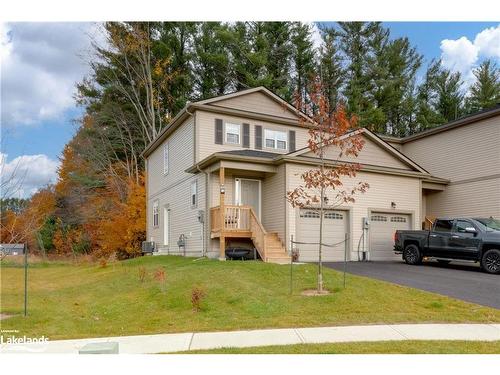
381,347
75,301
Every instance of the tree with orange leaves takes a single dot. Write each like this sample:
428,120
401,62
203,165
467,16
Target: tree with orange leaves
332,130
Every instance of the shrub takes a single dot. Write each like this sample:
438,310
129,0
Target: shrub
161,277
197,296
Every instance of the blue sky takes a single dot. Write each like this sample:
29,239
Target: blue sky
41,62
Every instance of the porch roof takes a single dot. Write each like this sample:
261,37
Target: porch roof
263,161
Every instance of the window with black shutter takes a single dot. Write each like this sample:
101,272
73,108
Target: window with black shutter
218,131
291,141
246,135
258,137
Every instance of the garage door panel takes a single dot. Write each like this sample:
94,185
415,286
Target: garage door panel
334,229
382,230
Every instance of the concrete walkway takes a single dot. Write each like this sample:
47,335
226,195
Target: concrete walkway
176,342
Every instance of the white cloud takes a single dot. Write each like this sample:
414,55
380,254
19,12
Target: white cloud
459,54
40,64
24,175
462,55
488,41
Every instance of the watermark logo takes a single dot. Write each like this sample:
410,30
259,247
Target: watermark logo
12,342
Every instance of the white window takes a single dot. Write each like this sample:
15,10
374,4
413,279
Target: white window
275,139
165,158
233,133
194,193
155,213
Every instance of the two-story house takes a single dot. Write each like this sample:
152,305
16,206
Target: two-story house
218,174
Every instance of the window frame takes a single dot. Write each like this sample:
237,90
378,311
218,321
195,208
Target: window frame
226,132
194,194
275,139
442,231
156,214
166,158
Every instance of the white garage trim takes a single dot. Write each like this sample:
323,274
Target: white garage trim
394,218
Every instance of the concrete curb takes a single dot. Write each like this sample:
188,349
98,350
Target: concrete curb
176,342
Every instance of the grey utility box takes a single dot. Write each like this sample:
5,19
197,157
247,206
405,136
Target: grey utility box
99,348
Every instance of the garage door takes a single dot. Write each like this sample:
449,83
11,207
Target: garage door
334,229
382,228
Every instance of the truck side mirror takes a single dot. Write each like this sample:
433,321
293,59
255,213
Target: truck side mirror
470,230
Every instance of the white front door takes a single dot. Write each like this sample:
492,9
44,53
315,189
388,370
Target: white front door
247,193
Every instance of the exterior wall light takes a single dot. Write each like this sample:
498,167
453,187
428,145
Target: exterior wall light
222,189
393,204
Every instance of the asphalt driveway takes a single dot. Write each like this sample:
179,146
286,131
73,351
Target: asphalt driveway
458,280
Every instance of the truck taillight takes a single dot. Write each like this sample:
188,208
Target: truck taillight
395,237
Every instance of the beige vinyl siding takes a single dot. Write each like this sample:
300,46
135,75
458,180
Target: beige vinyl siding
173,190
183,217
256,102
398,146
462,153
181,157
467,153
371,154
480,199
384,189
273,202
206,138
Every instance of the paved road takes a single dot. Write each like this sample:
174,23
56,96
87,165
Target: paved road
462,281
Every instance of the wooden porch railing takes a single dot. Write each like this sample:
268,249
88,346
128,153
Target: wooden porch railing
239,219
429,220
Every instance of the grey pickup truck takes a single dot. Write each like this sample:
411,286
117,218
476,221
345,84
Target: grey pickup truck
473,239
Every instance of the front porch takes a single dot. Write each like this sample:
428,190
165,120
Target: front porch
239,213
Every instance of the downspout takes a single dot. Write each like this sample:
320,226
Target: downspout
205,218
205,221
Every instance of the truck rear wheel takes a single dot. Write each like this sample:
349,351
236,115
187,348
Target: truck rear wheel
491,261
412,255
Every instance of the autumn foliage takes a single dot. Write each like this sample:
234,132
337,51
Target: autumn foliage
330,129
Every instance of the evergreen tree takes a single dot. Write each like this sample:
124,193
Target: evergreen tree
303,60
450,96
176,42
394,68
279,54
331,71
485,92
211,61
356,45
427,116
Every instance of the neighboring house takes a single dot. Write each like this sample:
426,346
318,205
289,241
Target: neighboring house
467,153
243,152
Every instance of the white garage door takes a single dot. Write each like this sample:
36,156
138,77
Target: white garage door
382,228
334,229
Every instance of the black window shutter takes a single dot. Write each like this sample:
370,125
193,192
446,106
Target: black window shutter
291,140
218,131
246,135
258,137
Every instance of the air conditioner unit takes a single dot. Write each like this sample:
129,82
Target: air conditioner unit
148,247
